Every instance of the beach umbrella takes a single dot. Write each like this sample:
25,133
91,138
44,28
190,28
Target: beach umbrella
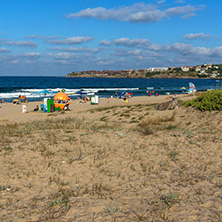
61,96
16,101
61,100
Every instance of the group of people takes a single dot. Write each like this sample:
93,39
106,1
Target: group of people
23,99
84,99
149,93
123,95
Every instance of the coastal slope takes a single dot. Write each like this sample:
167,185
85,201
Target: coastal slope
115,161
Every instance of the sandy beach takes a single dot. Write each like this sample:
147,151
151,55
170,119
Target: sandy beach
13,113
114,161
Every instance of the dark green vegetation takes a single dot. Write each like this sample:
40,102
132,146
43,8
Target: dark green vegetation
208,101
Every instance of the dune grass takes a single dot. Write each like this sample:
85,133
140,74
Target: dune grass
76,169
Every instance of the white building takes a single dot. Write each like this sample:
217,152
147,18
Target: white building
185,68
158,69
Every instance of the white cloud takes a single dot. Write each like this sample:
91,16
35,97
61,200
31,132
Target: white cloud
30,55
187,11
161,2
72,40
80,49
181,10
178,47
180,1
63,55
27,58
4,50
124,52
67,58
41,37
216,51
155,47
134,43
196,36
105,62
141,43
105,42
19,43
207,52
139,12
14,61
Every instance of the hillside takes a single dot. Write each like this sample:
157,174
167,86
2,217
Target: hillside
204,71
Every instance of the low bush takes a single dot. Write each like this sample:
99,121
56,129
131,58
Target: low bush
208,101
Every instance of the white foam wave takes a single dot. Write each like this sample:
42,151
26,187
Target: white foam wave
36,93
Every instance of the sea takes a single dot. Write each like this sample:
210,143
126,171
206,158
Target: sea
38,88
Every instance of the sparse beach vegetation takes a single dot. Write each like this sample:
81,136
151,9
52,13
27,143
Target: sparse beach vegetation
208,101
91,166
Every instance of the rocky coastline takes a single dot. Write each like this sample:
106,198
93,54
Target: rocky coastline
157,76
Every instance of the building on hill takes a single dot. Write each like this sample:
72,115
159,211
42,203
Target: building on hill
158,69
203,73
185,68
198,68
213,75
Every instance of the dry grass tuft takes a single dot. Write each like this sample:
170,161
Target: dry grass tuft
153,124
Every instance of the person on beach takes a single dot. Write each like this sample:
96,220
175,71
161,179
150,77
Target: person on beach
36,108
23,99
115,94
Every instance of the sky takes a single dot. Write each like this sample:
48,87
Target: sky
57,37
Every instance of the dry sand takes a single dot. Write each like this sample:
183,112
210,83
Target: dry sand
13,113
115,161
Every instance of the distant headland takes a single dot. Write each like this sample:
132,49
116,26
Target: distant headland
199,71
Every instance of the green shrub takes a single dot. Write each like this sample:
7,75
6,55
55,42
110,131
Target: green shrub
208,101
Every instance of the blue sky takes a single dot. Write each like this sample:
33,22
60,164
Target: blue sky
55,37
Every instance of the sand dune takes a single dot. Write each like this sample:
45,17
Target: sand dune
115,161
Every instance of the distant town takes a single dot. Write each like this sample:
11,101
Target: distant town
199,71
